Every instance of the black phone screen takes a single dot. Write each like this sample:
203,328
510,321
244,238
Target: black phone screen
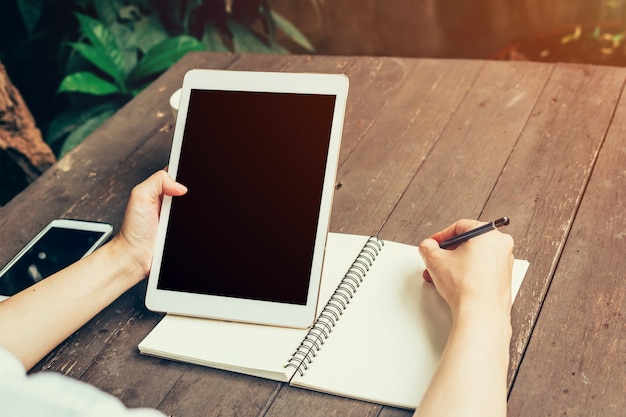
56,249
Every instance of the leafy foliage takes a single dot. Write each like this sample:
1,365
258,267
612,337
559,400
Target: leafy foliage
114,48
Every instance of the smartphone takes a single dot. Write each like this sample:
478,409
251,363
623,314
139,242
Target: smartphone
59,244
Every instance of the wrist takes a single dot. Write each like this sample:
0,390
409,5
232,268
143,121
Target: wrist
129,267
485,318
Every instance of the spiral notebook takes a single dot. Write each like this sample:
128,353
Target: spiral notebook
378,337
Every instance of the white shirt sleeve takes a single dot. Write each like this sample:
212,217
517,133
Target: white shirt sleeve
54,395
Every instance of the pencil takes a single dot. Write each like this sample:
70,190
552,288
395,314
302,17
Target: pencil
463,237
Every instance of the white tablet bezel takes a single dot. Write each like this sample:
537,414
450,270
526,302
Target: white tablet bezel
237,309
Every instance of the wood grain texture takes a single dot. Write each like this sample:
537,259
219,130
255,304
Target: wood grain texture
575,363
457,176
546,176
425,142
377,173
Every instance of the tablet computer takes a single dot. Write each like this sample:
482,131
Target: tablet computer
258,152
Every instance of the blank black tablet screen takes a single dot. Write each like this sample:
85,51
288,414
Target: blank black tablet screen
254,164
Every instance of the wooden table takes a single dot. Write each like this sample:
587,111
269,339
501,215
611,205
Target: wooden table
425,142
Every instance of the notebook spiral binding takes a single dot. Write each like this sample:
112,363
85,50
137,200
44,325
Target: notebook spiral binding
335,307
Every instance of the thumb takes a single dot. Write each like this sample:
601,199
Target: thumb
171,187
426,249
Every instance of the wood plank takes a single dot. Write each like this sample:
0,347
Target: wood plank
457,178
374,82
387,158
175,388
296,402
76,354
117,368
574,364
395,412
559,146
210,392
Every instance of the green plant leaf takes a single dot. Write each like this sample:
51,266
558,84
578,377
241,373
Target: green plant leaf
131,26
189,10
65,123
88,83
107,11
267,20
84,130
149,32
163,55
290,30
102,39
317,9
30,10
135,91
121,20
245,41
126,39
98,58
212,39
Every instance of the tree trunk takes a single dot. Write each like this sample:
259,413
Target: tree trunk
23,153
